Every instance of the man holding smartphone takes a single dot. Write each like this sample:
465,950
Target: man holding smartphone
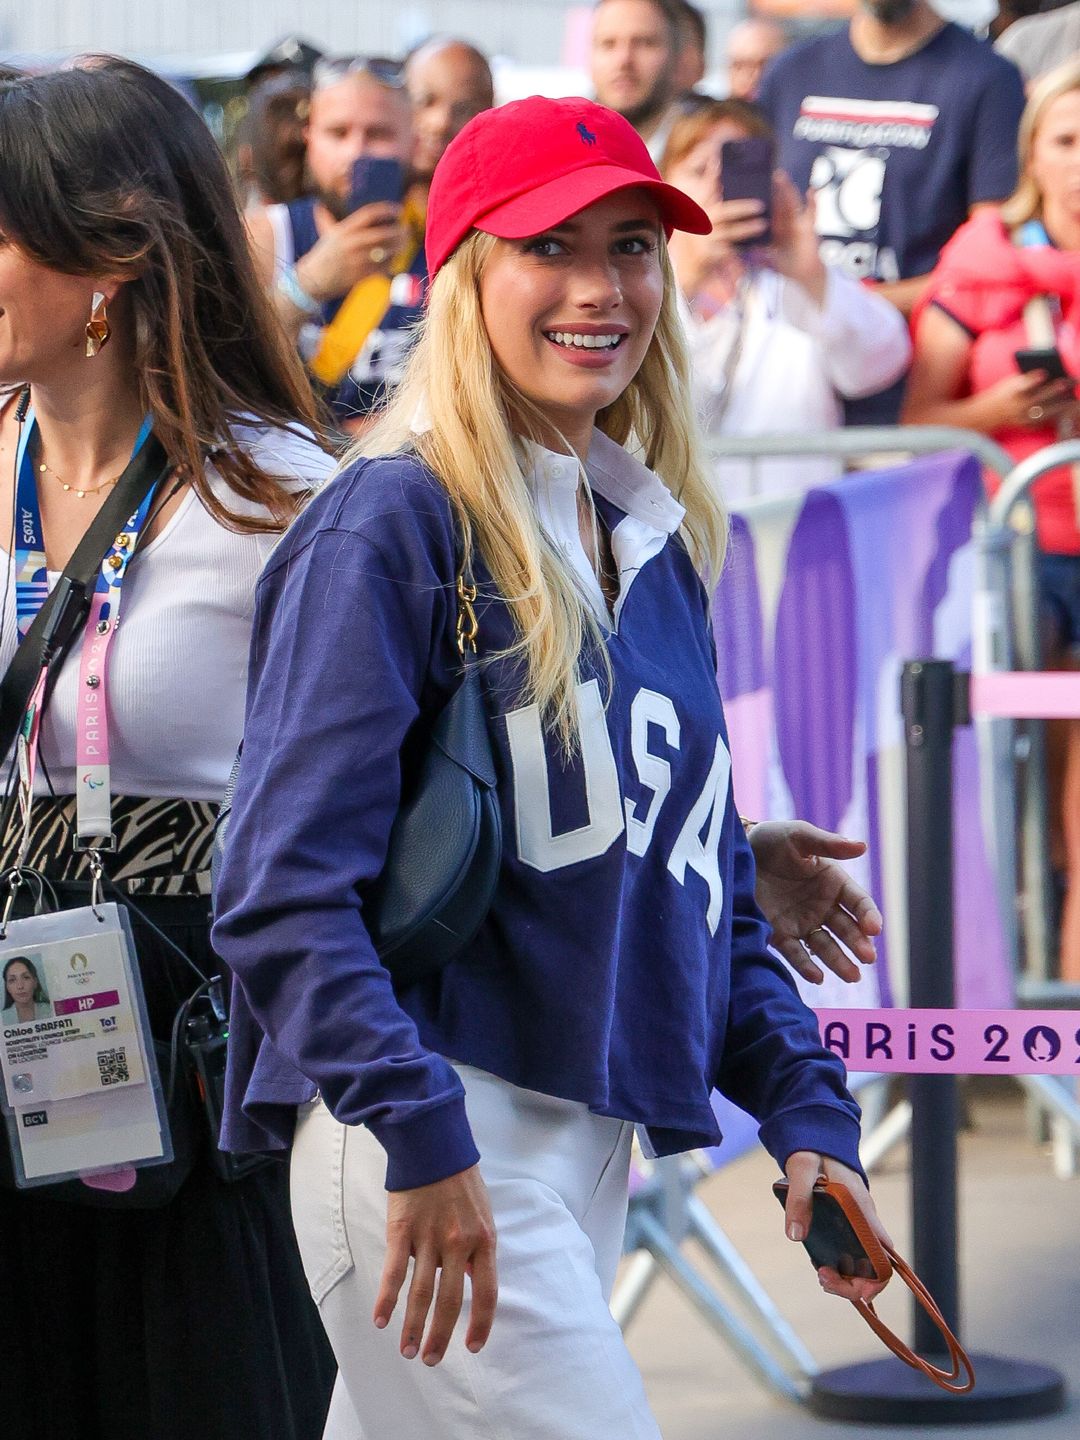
901,124
346,263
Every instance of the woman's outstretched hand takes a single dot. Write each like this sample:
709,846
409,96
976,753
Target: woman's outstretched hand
810,901
448,1231
802,1169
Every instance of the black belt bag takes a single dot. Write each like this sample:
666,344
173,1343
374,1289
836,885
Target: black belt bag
445,848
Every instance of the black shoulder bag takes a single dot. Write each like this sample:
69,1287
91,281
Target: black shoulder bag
445,849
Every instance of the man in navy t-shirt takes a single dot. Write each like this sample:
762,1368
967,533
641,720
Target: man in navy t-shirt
900,124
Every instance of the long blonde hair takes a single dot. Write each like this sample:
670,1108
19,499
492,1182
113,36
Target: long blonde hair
469,442
1025,203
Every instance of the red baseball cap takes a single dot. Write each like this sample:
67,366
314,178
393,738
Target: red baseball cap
529,165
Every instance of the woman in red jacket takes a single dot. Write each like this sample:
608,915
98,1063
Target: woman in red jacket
1008,281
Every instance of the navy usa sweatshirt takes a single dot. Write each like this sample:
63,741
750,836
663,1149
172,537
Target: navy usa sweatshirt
623,963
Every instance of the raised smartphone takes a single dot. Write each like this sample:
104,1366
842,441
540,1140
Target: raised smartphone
746,171
376,180
1048,359
839,1235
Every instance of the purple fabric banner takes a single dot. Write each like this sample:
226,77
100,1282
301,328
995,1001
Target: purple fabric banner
825,596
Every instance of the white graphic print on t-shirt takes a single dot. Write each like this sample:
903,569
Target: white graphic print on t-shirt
848,176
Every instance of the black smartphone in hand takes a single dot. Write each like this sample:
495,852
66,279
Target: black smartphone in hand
1047,358
840,1236
746,173
376,179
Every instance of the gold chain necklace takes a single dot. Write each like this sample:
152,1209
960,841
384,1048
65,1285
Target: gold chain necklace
44,469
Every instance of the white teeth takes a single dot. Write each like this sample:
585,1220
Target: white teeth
583,342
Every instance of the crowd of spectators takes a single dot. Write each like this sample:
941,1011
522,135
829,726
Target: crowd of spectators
892,134
891,131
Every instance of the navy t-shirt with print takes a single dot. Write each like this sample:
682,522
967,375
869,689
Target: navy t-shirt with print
895,154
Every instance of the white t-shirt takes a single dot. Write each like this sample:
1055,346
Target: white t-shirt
795,361
178,663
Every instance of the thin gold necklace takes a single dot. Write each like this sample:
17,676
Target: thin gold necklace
44,469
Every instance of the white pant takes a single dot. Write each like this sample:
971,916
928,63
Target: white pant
555,1367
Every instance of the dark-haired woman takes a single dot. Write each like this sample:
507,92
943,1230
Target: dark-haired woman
23,993
126,292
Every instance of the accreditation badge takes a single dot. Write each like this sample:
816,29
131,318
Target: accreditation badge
82,1094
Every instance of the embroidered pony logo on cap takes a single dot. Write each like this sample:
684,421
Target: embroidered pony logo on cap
587,137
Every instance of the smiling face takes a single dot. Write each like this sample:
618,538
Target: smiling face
570,313
20,984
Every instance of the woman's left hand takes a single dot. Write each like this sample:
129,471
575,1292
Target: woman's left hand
802,1169
811,901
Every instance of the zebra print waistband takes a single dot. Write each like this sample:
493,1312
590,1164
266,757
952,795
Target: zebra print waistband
163,847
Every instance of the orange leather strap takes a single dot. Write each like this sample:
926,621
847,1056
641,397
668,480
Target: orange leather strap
885,1260
961,1365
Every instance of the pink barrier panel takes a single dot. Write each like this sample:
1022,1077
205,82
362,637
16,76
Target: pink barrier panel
955,1042
1027,695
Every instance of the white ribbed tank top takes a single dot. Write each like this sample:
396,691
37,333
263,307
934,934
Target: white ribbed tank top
178,663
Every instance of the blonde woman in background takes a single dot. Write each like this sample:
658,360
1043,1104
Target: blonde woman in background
1010,281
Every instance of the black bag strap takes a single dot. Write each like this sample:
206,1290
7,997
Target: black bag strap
61,617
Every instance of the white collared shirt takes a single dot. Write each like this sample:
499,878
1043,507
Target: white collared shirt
651,512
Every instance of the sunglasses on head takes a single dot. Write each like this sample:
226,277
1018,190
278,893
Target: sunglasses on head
379,67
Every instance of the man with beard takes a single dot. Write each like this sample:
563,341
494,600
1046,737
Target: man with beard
347,283
900,125
270,144
636,45
449,82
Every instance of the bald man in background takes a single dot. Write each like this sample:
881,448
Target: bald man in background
449,82
692,60
750,46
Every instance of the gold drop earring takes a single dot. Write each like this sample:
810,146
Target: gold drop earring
98,328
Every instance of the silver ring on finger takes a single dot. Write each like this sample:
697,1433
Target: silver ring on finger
818,929
377,254
1035,412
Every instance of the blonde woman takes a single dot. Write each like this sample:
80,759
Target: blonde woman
1010,281
542,429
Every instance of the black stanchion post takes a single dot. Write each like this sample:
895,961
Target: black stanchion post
885,1391
927,699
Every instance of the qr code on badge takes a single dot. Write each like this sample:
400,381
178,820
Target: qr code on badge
113,1066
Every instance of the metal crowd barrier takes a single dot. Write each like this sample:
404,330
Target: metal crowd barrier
665,1211
865,441
1007,544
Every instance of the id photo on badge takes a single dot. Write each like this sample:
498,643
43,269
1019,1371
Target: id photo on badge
25,994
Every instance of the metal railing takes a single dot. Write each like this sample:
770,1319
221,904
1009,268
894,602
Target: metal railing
1011,568
864,441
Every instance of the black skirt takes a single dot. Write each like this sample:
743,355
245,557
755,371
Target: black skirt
191,1320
